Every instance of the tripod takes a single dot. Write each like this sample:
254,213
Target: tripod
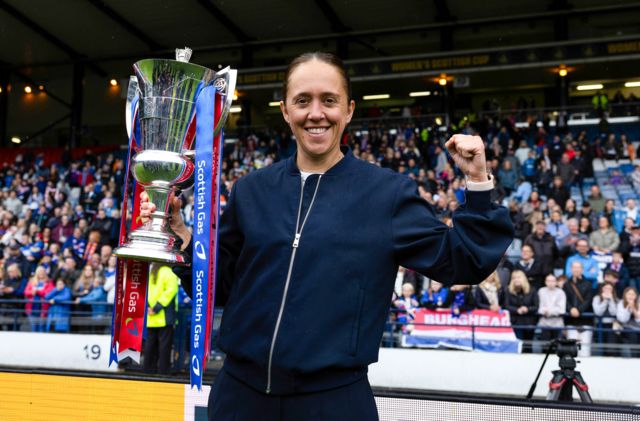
563,381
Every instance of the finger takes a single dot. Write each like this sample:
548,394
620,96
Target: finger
144,197
456,146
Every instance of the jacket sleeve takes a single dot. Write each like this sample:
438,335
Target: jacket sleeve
622,314
464,254
599,306
560,305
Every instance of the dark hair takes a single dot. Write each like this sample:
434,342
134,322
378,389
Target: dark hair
327,58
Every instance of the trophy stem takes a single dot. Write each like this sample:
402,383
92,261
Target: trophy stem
153,241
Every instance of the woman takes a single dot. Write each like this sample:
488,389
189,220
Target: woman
628,314
605,305
489,294
522,302
552,303
294,234
83,285
59,315
570,210
36,308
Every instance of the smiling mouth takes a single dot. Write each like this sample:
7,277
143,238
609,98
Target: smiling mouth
316,130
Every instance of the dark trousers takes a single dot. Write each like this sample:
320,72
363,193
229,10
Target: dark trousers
157,349
230,399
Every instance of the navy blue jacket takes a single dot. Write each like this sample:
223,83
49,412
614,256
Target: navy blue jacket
323,327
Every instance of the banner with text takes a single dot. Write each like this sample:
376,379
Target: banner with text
481,330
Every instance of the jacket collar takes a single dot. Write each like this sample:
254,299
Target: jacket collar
340,166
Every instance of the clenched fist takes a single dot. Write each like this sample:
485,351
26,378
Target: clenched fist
468,154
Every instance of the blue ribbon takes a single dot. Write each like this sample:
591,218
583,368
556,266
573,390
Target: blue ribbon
201,265
133,140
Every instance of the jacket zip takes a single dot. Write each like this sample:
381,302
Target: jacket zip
294,246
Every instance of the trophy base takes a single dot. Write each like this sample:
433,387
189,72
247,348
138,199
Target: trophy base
138,250
152,246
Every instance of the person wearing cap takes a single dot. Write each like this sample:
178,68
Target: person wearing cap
587,212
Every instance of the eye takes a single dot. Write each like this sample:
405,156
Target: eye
301,101
331,100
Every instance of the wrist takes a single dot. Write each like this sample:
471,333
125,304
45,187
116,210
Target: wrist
478,178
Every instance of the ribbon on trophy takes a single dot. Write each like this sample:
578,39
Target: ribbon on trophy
127,322
212,108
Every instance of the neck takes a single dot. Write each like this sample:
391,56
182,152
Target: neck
320,164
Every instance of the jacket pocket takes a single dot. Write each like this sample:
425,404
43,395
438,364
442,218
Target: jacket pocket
355,328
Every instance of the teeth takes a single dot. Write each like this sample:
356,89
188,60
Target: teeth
317,129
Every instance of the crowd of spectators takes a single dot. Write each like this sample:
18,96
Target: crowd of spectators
59,224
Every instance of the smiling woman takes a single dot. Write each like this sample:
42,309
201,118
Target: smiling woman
309,250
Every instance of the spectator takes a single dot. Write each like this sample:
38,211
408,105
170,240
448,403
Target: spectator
565,171
630,249
522,303
568,245
523,191
543,246
508,177
406,304
58,317
36,308
96,297
590,268
12,286
489,294
110,279
76,242
552,302
628,314
84,283
596,201
605,240
579,294
530,168
618,273
531,267
629,211
459,300
435,297
559,192
557,228
605,304
161,316
570,211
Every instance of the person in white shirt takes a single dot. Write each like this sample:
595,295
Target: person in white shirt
605,305
552,304
628,314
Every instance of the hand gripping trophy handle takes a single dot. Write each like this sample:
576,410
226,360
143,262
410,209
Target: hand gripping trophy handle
168,91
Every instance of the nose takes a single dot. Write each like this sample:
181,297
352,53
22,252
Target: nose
316,112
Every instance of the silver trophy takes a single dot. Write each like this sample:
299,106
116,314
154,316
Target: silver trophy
168,91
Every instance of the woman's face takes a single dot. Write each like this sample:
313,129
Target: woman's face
551,282
317,108
630,296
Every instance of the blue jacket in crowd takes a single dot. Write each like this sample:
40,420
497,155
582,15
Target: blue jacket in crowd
58,317
309,269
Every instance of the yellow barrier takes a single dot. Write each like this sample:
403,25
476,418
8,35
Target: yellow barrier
39,397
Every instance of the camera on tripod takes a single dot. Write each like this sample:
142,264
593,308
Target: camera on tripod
567,351
567,378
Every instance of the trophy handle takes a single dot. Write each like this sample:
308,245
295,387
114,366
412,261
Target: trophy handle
132,93
225,84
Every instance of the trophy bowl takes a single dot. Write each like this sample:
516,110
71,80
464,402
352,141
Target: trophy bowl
168,91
